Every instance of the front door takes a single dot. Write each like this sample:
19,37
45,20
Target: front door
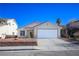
31,34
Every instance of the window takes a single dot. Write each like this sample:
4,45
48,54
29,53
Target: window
22,33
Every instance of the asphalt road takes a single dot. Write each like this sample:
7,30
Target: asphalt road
40,53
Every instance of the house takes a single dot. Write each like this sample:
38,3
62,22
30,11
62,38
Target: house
40,30
70,30
73,28
8,27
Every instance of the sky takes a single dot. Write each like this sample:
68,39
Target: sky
26,13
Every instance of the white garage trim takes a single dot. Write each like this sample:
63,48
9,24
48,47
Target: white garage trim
47,33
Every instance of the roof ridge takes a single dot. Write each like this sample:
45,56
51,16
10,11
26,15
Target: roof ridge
41,23
28,25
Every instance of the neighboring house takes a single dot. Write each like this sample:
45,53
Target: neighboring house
40,30
74,24
8,27
73,29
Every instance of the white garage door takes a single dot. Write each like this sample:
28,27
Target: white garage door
47,33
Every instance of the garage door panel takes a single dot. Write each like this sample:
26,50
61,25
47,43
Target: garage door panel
47,33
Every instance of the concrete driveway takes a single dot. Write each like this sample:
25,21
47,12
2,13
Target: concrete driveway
56,45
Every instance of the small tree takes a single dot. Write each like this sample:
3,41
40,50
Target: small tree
58,21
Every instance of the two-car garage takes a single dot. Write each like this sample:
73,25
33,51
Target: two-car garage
47,33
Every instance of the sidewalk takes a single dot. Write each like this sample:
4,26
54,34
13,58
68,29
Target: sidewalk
14,48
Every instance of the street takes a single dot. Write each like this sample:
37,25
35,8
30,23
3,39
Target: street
40,53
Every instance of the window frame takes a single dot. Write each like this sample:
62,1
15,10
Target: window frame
22,32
